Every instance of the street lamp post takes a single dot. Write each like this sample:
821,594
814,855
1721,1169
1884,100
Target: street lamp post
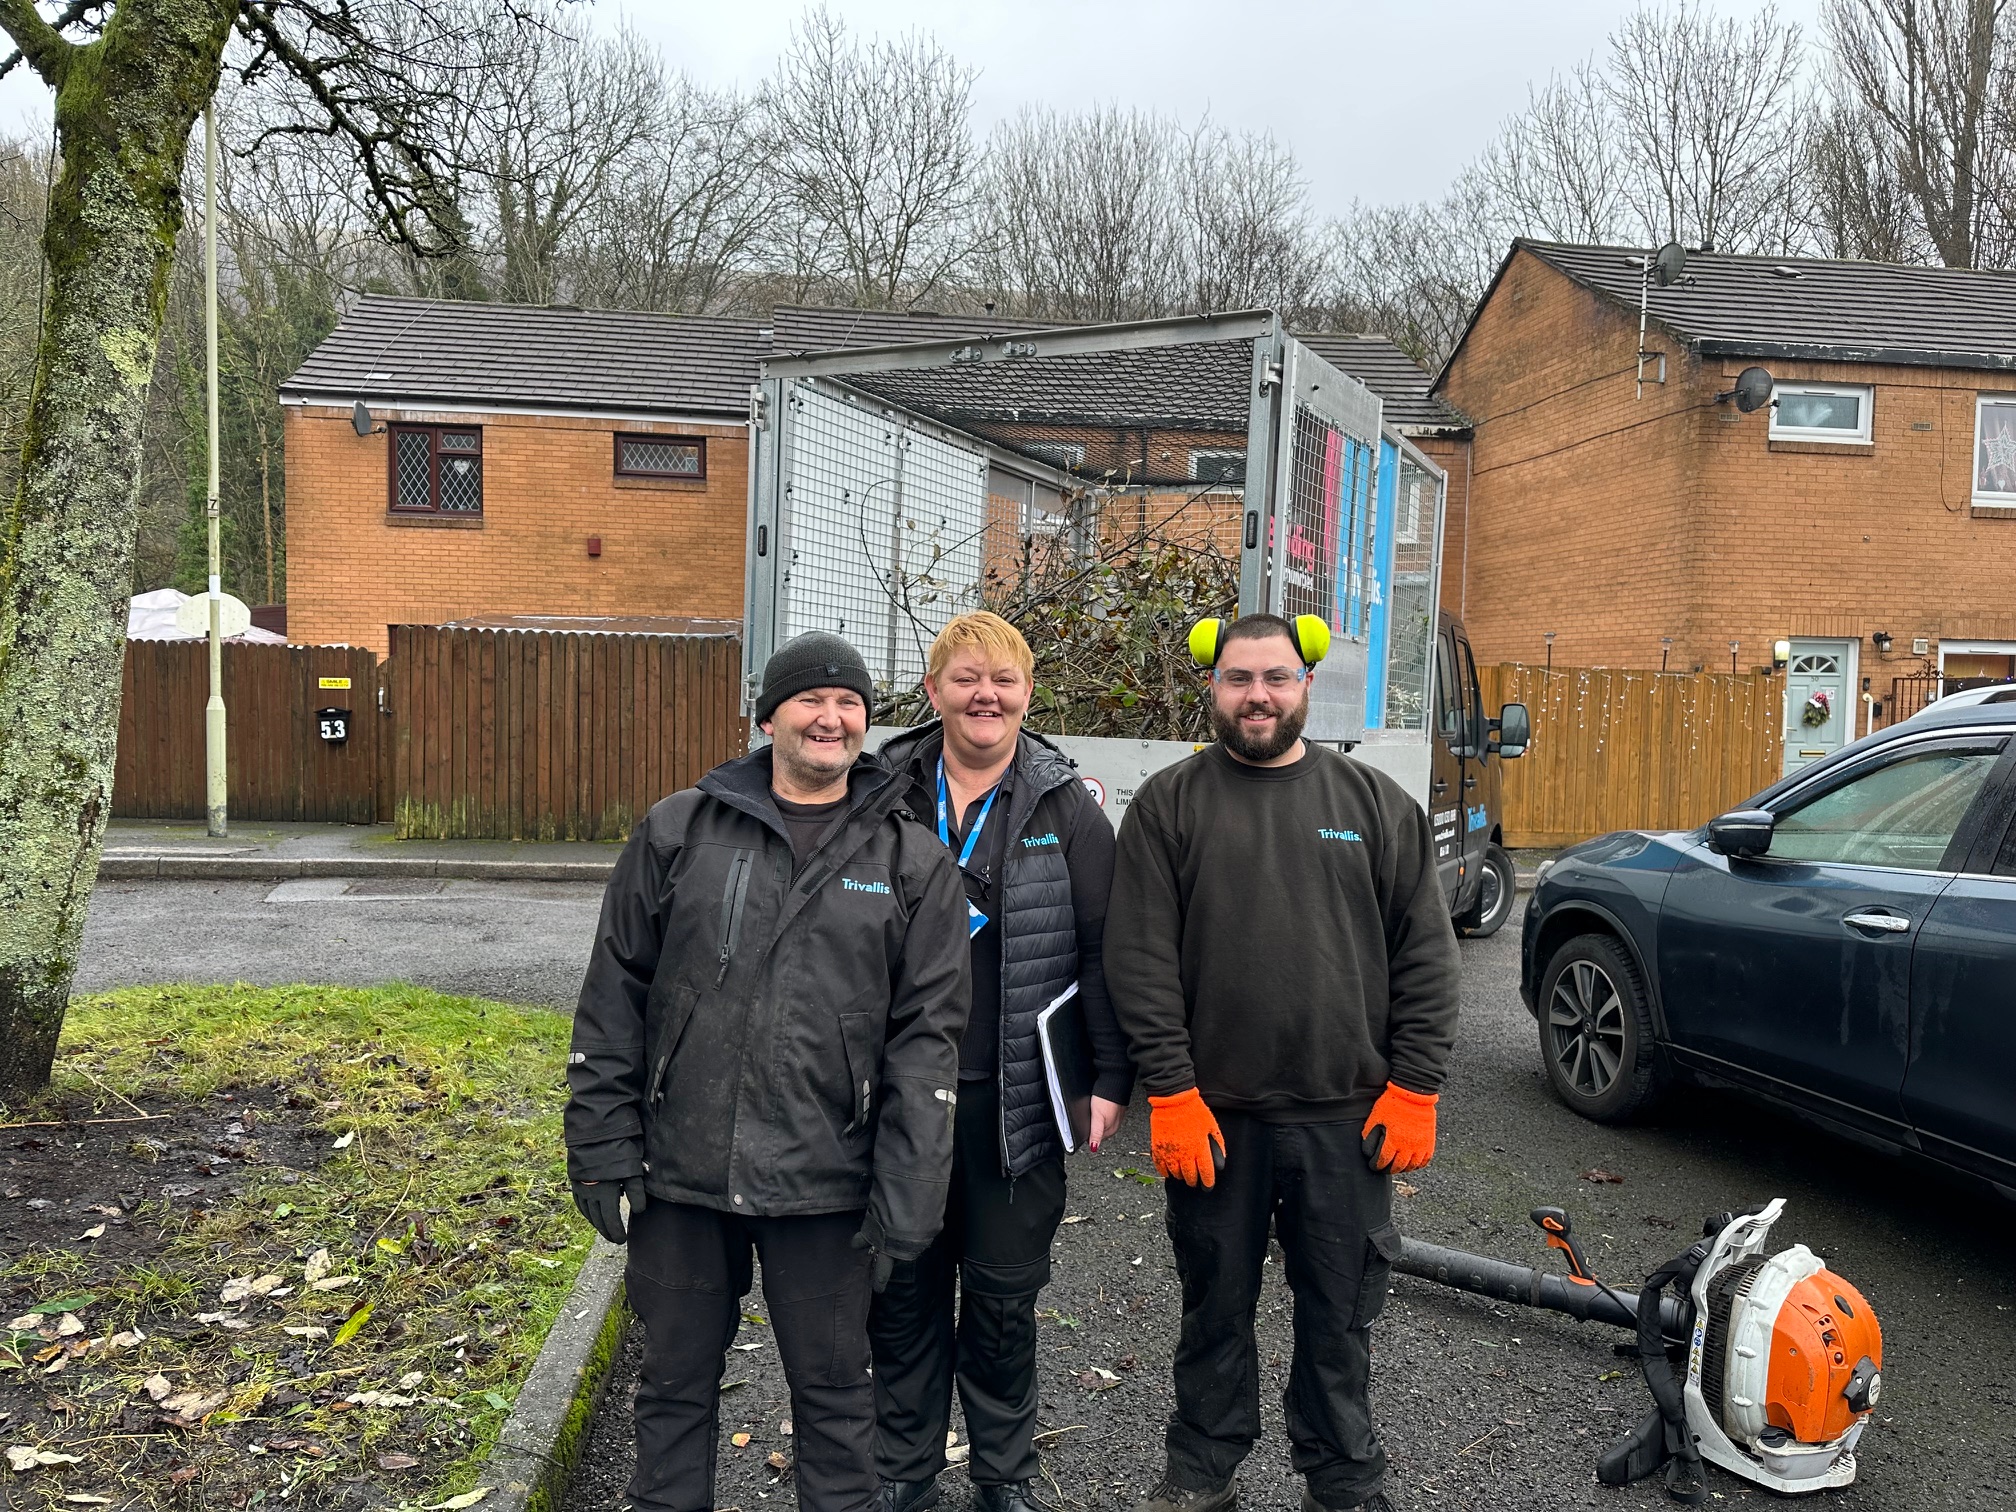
215,791
1732,654
1665,650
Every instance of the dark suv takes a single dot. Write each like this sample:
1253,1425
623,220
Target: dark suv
1845,944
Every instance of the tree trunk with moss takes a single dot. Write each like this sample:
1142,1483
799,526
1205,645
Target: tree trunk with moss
125,105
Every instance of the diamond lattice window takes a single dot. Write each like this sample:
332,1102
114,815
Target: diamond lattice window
437,471
661,457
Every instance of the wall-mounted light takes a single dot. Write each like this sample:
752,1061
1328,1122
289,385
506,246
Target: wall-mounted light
1884,641
1665,650
1732,654
1781,653
1549,638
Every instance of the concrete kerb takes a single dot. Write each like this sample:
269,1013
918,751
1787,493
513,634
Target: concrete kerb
541,1440
280,869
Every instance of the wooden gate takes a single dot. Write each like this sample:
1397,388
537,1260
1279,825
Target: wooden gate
549,735
278,765
1619,749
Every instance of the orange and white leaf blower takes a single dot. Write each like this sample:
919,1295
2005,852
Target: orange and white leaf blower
1768,1365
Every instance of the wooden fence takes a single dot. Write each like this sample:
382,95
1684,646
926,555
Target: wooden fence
1619,749
542,735
277,764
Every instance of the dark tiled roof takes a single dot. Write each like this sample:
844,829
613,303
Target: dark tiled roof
536,355
1399,381
1813,307
818,328
1198,386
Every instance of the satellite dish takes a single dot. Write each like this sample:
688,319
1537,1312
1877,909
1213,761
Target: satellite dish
1669,264
1753,389
360,419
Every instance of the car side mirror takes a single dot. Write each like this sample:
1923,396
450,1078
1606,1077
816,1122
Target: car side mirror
1512,731
1742,833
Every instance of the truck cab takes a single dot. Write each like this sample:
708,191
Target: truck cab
1467,752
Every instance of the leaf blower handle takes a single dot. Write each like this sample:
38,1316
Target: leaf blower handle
1554,1224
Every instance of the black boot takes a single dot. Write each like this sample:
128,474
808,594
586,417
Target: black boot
1012,1497
909,1496
1376,1502
1170,1497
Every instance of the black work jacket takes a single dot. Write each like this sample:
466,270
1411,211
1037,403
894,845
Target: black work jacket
769,1039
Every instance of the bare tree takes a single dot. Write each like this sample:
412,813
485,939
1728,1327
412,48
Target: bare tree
1934,76
1078,215
1856,204
873,151
1709,111
1415,272
129,78
1246,218
1559,169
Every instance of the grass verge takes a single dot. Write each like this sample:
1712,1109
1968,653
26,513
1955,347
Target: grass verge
343,1312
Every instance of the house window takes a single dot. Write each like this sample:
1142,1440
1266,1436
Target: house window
1820,412
437,469
661,457
1995,450
1218,465
1065,454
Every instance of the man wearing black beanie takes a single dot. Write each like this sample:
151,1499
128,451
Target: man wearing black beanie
765,1059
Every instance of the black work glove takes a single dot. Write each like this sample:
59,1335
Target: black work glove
601,1204
872,1239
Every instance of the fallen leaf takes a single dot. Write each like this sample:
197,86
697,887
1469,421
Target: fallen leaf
739,1440
456,1503
332,1283
1098,1379
1074,1218
316,1268
392,1246
958,1454
236,1290
344,1143
156,1386
86,1499
745,1348
213,1317
397,1461
1406,1188
359,1316
411,1379
69,1326
96,1231
127,1340
785,1427
26,1323
183,1476
65,1304
308,1331
193,1404
268,1286
21,1459
777,1462
107,1209
1602,1177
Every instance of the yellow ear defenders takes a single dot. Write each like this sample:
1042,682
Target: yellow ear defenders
1312,640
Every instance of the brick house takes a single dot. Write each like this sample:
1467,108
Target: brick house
550,461
1621,505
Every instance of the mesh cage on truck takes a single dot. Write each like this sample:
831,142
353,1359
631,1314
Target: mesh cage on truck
894,487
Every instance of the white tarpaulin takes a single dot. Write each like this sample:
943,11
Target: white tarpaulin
151,616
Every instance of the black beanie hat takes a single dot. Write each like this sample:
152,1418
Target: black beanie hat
814,660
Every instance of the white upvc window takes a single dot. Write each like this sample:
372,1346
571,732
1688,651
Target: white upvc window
1837,412
1219,464
1995,450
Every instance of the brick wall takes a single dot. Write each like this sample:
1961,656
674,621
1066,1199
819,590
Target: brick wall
1614,521
668,547
1452,455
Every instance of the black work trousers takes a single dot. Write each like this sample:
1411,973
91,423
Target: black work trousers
1334,1217
687,1272
995,1247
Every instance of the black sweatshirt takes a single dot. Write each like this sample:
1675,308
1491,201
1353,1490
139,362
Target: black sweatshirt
1277,937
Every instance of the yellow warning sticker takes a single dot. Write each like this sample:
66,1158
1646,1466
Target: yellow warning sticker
333,682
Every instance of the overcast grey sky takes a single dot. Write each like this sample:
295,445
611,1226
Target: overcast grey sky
1380,100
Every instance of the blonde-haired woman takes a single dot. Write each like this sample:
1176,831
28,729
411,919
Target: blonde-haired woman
1036,855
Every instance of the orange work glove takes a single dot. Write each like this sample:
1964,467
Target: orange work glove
1400,1134
1181,1132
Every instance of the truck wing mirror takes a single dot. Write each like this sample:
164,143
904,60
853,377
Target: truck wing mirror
1741,833
1511,731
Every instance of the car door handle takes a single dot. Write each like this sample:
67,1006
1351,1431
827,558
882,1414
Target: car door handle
1891,923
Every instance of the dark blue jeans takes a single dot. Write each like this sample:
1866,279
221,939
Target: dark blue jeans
1333,1214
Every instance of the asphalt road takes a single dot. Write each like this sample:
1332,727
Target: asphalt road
523,942
1481,1405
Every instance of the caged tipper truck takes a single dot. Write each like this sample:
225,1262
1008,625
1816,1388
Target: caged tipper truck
893,487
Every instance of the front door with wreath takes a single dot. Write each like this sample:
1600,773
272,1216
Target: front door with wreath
1820,706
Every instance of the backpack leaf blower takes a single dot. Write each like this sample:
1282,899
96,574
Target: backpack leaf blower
1768,1365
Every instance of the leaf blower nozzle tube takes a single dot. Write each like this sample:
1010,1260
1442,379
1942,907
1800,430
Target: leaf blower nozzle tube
1505,1282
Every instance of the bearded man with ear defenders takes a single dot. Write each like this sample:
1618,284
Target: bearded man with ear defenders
1279,954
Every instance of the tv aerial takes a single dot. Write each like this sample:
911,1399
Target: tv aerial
1666,267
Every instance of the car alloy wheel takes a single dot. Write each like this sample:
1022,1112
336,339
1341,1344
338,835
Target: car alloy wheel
1585,1019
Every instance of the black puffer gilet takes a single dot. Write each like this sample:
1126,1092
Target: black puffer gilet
1038,934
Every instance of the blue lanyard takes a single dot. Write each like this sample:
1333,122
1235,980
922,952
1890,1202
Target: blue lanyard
945,808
